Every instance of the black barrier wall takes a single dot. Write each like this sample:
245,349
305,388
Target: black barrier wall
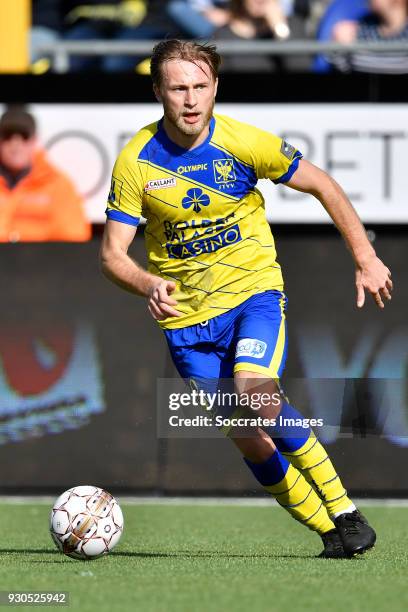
80,359
238,87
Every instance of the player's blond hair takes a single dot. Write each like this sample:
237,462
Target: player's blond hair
189,51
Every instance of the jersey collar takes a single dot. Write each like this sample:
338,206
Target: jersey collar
175,149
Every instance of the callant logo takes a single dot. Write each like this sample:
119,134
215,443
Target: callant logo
162,183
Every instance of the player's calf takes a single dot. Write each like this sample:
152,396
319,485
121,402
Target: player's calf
284,482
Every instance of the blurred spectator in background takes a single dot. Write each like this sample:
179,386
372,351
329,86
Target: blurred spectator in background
120,20
253,20
386,21
46,28
336,11
199,18
38,203
137,20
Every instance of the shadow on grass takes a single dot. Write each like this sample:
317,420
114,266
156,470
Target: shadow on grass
31,551
208,554
178,554
27,552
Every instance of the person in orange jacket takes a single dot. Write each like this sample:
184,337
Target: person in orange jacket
38,203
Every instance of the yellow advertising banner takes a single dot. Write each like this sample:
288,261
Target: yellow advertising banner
15,21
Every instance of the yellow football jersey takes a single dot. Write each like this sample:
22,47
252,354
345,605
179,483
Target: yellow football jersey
206,226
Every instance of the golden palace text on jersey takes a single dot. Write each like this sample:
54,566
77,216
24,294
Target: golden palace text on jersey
206,226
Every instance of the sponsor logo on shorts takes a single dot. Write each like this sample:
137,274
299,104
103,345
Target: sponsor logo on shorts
209,244
162,183
250,347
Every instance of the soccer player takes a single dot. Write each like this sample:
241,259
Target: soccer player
213,282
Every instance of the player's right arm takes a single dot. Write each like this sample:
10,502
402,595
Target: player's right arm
121,269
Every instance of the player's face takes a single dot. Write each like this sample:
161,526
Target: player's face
187,92
16,152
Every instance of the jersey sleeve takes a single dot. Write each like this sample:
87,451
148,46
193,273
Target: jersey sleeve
126,191
274,158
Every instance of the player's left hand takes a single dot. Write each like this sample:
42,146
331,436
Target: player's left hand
374,277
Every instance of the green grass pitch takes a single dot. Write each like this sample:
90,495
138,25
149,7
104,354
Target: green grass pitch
209,558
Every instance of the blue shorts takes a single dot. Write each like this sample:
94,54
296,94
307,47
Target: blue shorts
250,337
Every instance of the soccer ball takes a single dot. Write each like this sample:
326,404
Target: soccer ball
86,522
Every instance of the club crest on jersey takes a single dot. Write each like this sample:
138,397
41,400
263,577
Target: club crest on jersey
195,198
224,171
162,183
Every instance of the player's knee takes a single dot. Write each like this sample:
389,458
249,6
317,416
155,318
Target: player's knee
257,448
259,394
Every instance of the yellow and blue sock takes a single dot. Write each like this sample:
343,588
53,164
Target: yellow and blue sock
292,491
306,454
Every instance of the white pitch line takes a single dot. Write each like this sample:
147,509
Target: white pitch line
197,501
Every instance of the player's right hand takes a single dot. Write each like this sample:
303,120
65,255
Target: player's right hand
160,303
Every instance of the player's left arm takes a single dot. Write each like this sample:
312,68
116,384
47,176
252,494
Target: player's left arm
371,274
